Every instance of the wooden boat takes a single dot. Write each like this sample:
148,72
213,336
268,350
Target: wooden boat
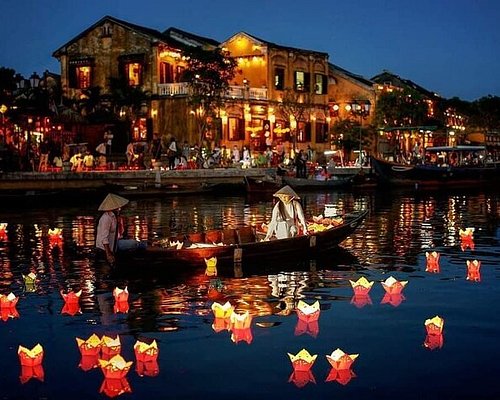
313,184
132,191
265,184
450,166
245,244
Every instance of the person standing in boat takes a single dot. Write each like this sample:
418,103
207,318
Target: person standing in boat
287,217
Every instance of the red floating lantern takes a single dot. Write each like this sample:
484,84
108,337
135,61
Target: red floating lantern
120,294
91,346
434,341
362,286
8,301
30,358
121,307
146,352
71,297
340,360
55,237
434,326
302,361
342,376
393,286
308,313
211,264
34,372
467,238
240,321
110,346
3,232
361,300
473,271
310,328
221,324
71,309
393,299
115,387
242,335
88,362
432,262
302,378
115,368
150,368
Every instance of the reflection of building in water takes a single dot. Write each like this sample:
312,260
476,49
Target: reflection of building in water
83,231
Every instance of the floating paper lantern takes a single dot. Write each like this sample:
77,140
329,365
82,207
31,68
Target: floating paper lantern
340,360
71,297
308,313
361,300
88,362
473,271
301,378
3,232
28,373
30,282
150,368
393,299
310,328
467,238
110,346
55,237
221,324
302,361
362,286
7,313
116,367
146,352
91,346
434,326
393,286
433,342
242,335
8,301
432,262
30,357
71,309
342,376
120,294
115,387
211,264
240,321
222,310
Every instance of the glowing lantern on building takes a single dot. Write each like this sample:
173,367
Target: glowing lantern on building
361,287
115,387
393,286
473,271
115,368
30,357
211,264
432,264
308,313
303,360
467,238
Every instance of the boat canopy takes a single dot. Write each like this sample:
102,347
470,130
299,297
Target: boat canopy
455,148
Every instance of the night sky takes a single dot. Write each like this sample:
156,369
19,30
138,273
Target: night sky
451,47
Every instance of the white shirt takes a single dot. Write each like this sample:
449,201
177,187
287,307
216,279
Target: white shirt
106,231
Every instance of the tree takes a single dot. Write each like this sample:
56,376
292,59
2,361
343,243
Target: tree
296,106
208,73
7,85
485,113
345,135
400,108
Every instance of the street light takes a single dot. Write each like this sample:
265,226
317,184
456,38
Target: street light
360,108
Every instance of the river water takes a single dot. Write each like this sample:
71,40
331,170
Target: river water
199,357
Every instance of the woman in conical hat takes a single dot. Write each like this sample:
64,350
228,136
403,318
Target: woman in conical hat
288,216
108,228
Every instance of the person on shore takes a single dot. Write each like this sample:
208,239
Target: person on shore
172,153
287,216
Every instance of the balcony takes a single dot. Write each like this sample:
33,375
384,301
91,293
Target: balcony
173,89
235,92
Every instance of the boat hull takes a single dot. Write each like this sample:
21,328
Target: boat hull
313,184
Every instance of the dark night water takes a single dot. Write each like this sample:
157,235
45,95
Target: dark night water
195,361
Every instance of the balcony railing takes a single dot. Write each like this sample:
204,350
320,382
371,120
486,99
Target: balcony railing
235,92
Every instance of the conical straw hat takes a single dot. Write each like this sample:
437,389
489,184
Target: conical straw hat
286,191
112,202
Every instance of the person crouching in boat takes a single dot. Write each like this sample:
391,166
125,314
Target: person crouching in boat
287,217
110,229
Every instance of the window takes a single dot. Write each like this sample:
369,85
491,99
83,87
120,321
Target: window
281,130
106,30
133,73
279,78
321,132
166,73
303,132
321,84
80,74
236,128
302,81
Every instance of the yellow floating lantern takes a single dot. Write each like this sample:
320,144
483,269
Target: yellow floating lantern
308,313
30,357
91,346
303,360
211,264
240,321
362,286
116,367
222,311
